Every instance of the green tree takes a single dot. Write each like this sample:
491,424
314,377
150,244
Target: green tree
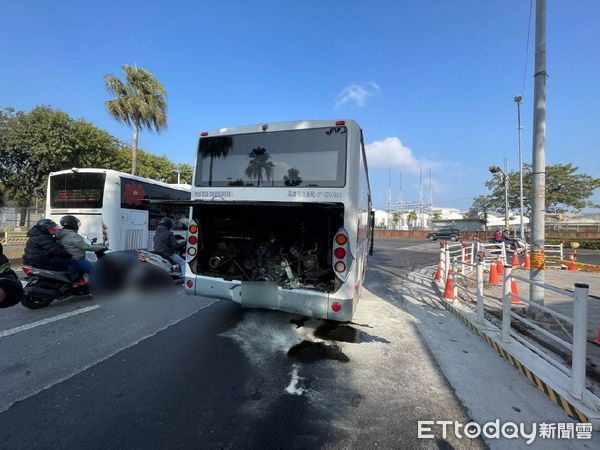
566,189
480,208
412,217
31,146
2,201
141,103
396,218
437,215
259,163
186,172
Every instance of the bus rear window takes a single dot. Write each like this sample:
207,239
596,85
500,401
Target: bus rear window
77,190
314,157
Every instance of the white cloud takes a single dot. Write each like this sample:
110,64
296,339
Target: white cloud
357,94
392,153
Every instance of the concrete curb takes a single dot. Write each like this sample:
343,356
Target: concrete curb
545,377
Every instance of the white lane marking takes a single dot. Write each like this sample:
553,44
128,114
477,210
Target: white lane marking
293,388
84,368
31,325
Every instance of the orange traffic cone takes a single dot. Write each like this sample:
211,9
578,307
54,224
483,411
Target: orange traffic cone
494,280
514,290
438,273
449,291
499,266
515,260
527,262
572,266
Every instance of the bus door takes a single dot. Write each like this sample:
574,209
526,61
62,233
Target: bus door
134,229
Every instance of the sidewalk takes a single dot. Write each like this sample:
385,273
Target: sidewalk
562,279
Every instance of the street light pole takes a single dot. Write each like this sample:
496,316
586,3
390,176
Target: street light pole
538,188
518,99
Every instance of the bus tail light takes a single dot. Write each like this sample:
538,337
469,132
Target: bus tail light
342,258
193,241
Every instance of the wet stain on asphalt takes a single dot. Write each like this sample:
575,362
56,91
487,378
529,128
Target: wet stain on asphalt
335,332
345,333
309,352
299,322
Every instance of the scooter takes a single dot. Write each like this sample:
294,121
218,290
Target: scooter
517,245
43,286
156,260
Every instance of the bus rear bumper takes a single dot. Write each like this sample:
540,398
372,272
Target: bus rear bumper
263,295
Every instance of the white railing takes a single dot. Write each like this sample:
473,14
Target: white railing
492,251
462,269
556,251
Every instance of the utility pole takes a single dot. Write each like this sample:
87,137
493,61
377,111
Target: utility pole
421,196
430,192
518,99
389,198
401,205
538,189
506,218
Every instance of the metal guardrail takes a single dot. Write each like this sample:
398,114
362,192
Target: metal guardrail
462,268
14,237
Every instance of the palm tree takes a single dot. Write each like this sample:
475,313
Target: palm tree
412,217
141,102
259,163
217,147
292,178
437,215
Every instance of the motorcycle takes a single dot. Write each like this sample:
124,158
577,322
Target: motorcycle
43,286
160,262
516,245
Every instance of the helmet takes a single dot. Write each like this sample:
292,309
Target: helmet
70,222
165,221
46,224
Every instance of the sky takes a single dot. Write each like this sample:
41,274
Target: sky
430,82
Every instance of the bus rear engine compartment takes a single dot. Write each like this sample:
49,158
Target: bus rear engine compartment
289,244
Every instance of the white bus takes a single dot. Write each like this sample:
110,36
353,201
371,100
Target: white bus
112,206
281,218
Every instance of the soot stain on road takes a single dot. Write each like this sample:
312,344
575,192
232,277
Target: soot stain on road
346,333
308,352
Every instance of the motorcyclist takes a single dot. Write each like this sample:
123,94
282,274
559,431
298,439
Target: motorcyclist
165,243
498,236
44,252
11,289
76,245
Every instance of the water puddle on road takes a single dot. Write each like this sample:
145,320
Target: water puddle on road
307,351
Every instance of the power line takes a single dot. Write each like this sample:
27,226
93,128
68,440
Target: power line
527,47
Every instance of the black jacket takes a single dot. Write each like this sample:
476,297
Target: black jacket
9,283
165,243
41,246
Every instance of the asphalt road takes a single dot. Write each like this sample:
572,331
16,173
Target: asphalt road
181,372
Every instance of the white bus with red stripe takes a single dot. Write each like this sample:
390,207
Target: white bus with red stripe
281,217
114,207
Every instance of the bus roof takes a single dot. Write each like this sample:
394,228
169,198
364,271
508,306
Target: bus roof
279,126
181,187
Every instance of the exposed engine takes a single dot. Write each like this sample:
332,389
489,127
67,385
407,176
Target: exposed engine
286,243
290,266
